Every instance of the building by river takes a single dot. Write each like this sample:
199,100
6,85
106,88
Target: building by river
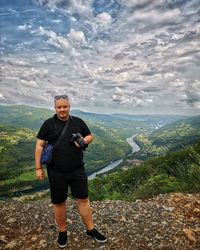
135,162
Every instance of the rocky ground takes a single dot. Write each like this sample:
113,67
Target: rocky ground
170,221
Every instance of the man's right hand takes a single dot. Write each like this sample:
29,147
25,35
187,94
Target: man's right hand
40,174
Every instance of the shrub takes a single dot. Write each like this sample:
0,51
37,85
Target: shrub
157,184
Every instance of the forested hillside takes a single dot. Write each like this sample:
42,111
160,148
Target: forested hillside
16,151
171,163
175,172
171,137
24,116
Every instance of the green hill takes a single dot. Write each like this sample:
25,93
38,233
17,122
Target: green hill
16,151
172,164
171,137
176,172
24,116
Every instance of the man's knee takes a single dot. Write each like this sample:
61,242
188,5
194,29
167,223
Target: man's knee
57,205
83,201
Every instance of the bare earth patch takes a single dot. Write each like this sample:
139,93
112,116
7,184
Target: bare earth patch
165,222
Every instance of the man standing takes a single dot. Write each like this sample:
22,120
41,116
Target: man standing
66,168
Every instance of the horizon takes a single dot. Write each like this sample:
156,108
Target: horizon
101,113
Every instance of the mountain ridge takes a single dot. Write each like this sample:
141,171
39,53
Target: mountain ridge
39,114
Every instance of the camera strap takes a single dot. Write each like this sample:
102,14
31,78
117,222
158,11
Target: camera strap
62,133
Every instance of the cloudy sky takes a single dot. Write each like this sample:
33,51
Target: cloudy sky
130,56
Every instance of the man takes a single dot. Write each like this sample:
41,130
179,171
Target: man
66,168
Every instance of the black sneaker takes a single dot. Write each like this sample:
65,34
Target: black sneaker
96,235
62,239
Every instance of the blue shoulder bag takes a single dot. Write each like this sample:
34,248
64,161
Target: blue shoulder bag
48,150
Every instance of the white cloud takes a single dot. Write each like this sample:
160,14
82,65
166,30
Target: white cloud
77,36
57,21
2,97
54,39
177,83
104,19
24,27
158,17
29,83
134,3
144,56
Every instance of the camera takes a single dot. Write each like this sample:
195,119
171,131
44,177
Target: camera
77,137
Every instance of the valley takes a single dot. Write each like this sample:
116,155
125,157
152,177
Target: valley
155,136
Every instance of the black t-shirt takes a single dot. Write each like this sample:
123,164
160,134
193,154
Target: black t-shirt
66,157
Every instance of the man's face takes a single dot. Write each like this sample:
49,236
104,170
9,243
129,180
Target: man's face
62,108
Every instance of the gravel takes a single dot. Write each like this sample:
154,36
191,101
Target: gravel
165,222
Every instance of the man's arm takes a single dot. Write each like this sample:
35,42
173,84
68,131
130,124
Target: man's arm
38,152
88,139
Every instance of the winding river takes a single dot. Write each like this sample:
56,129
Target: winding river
114,164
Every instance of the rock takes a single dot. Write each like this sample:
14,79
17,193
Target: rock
3,238
190,234
34,238
69,221
39,229
169,209
43,243
36,216
123,218
11,220
11,245
197,211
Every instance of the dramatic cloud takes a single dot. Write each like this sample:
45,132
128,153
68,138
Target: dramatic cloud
108,56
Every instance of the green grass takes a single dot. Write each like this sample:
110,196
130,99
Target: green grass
24,180
28,176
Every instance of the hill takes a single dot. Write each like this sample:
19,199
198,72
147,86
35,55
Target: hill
175,172
171,137
171,164
16,151
164,222
32,117
152,121
24,116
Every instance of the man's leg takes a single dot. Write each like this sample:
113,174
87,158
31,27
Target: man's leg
79,189
85,212
60,216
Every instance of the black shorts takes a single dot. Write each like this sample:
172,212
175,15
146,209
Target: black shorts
60,181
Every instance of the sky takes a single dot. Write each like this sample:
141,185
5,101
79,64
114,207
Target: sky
117,56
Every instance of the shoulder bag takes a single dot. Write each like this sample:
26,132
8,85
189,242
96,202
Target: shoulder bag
48,150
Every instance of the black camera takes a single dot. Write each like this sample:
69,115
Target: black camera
78,138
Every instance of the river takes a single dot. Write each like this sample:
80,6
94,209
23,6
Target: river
114,164
134,146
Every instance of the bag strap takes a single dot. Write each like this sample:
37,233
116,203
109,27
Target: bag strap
62,133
